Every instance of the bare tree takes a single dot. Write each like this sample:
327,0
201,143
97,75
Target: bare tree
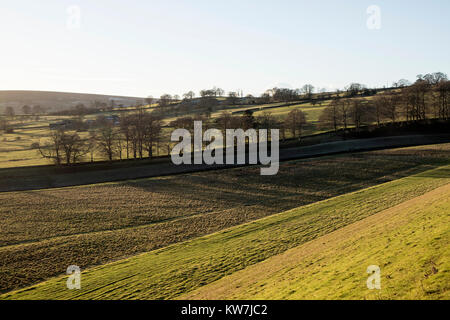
189,95
443,90
232,98
208,93
266,120
360,112
344,111
126,131
106,138
330,116
119,144
386,106
415,100
152,132
281,125
295,121
247,120
434,78
307,90
379,102
52,149
165,100
285,94
138,133
392,107
92,144
265,97
134,140
63,146
74,148
354,89
402,83
225,120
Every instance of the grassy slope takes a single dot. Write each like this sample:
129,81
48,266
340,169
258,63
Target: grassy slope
409,242
44,231
180,268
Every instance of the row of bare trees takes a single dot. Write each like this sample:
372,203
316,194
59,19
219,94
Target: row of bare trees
63,147
141,132
425,97
137,136
344,112
420,101
293,123
233,97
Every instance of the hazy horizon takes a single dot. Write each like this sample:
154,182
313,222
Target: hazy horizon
139,49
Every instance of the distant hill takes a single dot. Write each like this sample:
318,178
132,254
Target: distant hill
56,101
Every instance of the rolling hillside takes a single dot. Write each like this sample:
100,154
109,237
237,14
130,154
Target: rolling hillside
96,224
409,242
57,101
184,267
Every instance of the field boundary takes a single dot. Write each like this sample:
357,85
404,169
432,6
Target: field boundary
27,179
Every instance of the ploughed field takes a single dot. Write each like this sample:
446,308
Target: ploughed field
401,226
45,231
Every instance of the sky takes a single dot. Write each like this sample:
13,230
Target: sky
142,48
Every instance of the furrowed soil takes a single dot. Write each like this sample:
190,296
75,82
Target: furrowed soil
45,231
184,267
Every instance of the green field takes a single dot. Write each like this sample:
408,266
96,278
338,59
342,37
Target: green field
409,242
183,267
312,112
16,148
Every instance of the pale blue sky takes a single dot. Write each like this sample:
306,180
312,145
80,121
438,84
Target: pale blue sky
141,48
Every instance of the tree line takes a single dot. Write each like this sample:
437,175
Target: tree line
427,98
293,123
137,136
140,136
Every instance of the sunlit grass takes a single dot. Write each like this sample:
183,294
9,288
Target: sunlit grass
408,242
181,268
